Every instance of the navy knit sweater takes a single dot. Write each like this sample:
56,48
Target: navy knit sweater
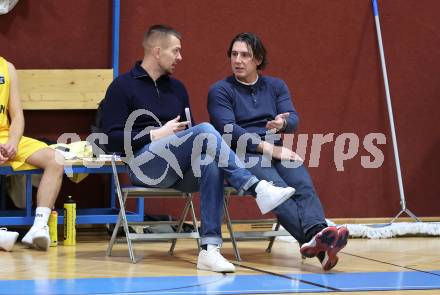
249,107
165,98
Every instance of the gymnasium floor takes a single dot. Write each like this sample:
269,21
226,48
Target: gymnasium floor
391,266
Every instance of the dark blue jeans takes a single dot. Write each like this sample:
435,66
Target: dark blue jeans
188,163
301,212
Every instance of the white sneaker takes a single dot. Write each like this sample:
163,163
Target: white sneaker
269,196
7,239
38,238
212,260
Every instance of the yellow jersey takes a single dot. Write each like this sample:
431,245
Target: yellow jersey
27,146
5,84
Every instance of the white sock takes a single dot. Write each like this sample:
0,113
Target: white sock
41,216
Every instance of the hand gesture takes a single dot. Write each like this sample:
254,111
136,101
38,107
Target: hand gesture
284,154
169,128
278,152
278,122
7,152
3,157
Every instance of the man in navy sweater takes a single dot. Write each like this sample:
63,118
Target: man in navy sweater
261,107
141,114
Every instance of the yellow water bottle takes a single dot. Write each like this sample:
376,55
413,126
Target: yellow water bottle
69,222
53,228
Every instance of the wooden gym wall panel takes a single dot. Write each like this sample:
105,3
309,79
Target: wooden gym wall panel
63,89
326,51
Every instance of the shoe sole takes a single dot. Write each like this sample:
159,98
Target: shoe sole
41,243
325,239
199,267
330,262
29,245
341,242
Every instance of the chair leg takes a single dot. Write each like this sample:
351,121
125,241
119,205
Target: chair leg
231,232
122,219
196,228
115,232
127,233
272,239
117,225
122,210
181,220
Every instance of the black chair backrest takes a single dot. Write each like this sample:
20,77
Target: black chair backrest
96,127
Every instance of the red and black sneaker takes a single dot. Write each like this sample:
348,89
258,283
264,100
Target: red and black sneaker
321,242
330,258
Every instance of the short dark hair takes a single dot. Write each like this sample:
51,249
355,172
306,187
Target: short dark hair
254,43
161,31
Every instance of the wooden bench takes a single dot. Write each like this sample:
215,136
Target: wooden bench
84,216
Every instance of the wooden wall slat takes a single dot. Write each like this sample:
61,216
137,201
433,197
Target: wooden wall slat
63,89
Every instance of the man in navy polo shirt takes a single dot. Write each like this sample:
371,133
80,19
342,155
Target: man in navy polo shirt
142,114
261,105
